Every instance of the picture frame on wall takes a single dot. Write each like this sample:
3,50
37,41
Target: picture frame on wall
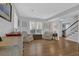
6,11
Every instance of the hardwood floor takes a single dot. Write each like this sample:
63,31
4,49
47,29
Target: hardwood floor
60,47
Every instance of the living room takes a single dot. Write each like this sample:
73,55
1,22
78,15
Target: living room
36,29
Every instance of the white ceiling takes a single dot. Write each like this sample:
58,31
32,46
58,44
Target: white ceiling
42,10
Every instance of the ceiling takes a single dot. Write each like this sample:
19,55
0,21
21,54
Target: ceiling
42,10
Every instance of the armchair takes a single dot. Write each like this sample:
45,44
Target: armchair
47,36
27,37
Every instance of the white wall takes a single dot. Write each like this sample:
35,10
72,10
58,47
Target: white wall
6,26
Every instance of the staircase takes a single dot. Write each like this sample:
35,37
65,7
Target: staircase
72,32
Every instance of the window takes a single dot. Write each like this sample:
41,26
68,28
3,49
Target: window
35,27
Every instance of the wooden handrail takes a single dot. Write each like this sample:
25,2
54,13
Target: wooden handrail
71,25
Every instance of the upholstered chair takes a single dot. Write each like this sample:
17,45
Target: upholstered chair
27,37
47,36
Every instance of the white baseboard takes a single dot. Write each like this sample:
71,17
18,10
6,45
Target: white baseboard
70,39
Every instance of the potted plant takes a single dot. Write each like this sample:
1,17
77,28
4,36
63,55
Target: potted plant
0,39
